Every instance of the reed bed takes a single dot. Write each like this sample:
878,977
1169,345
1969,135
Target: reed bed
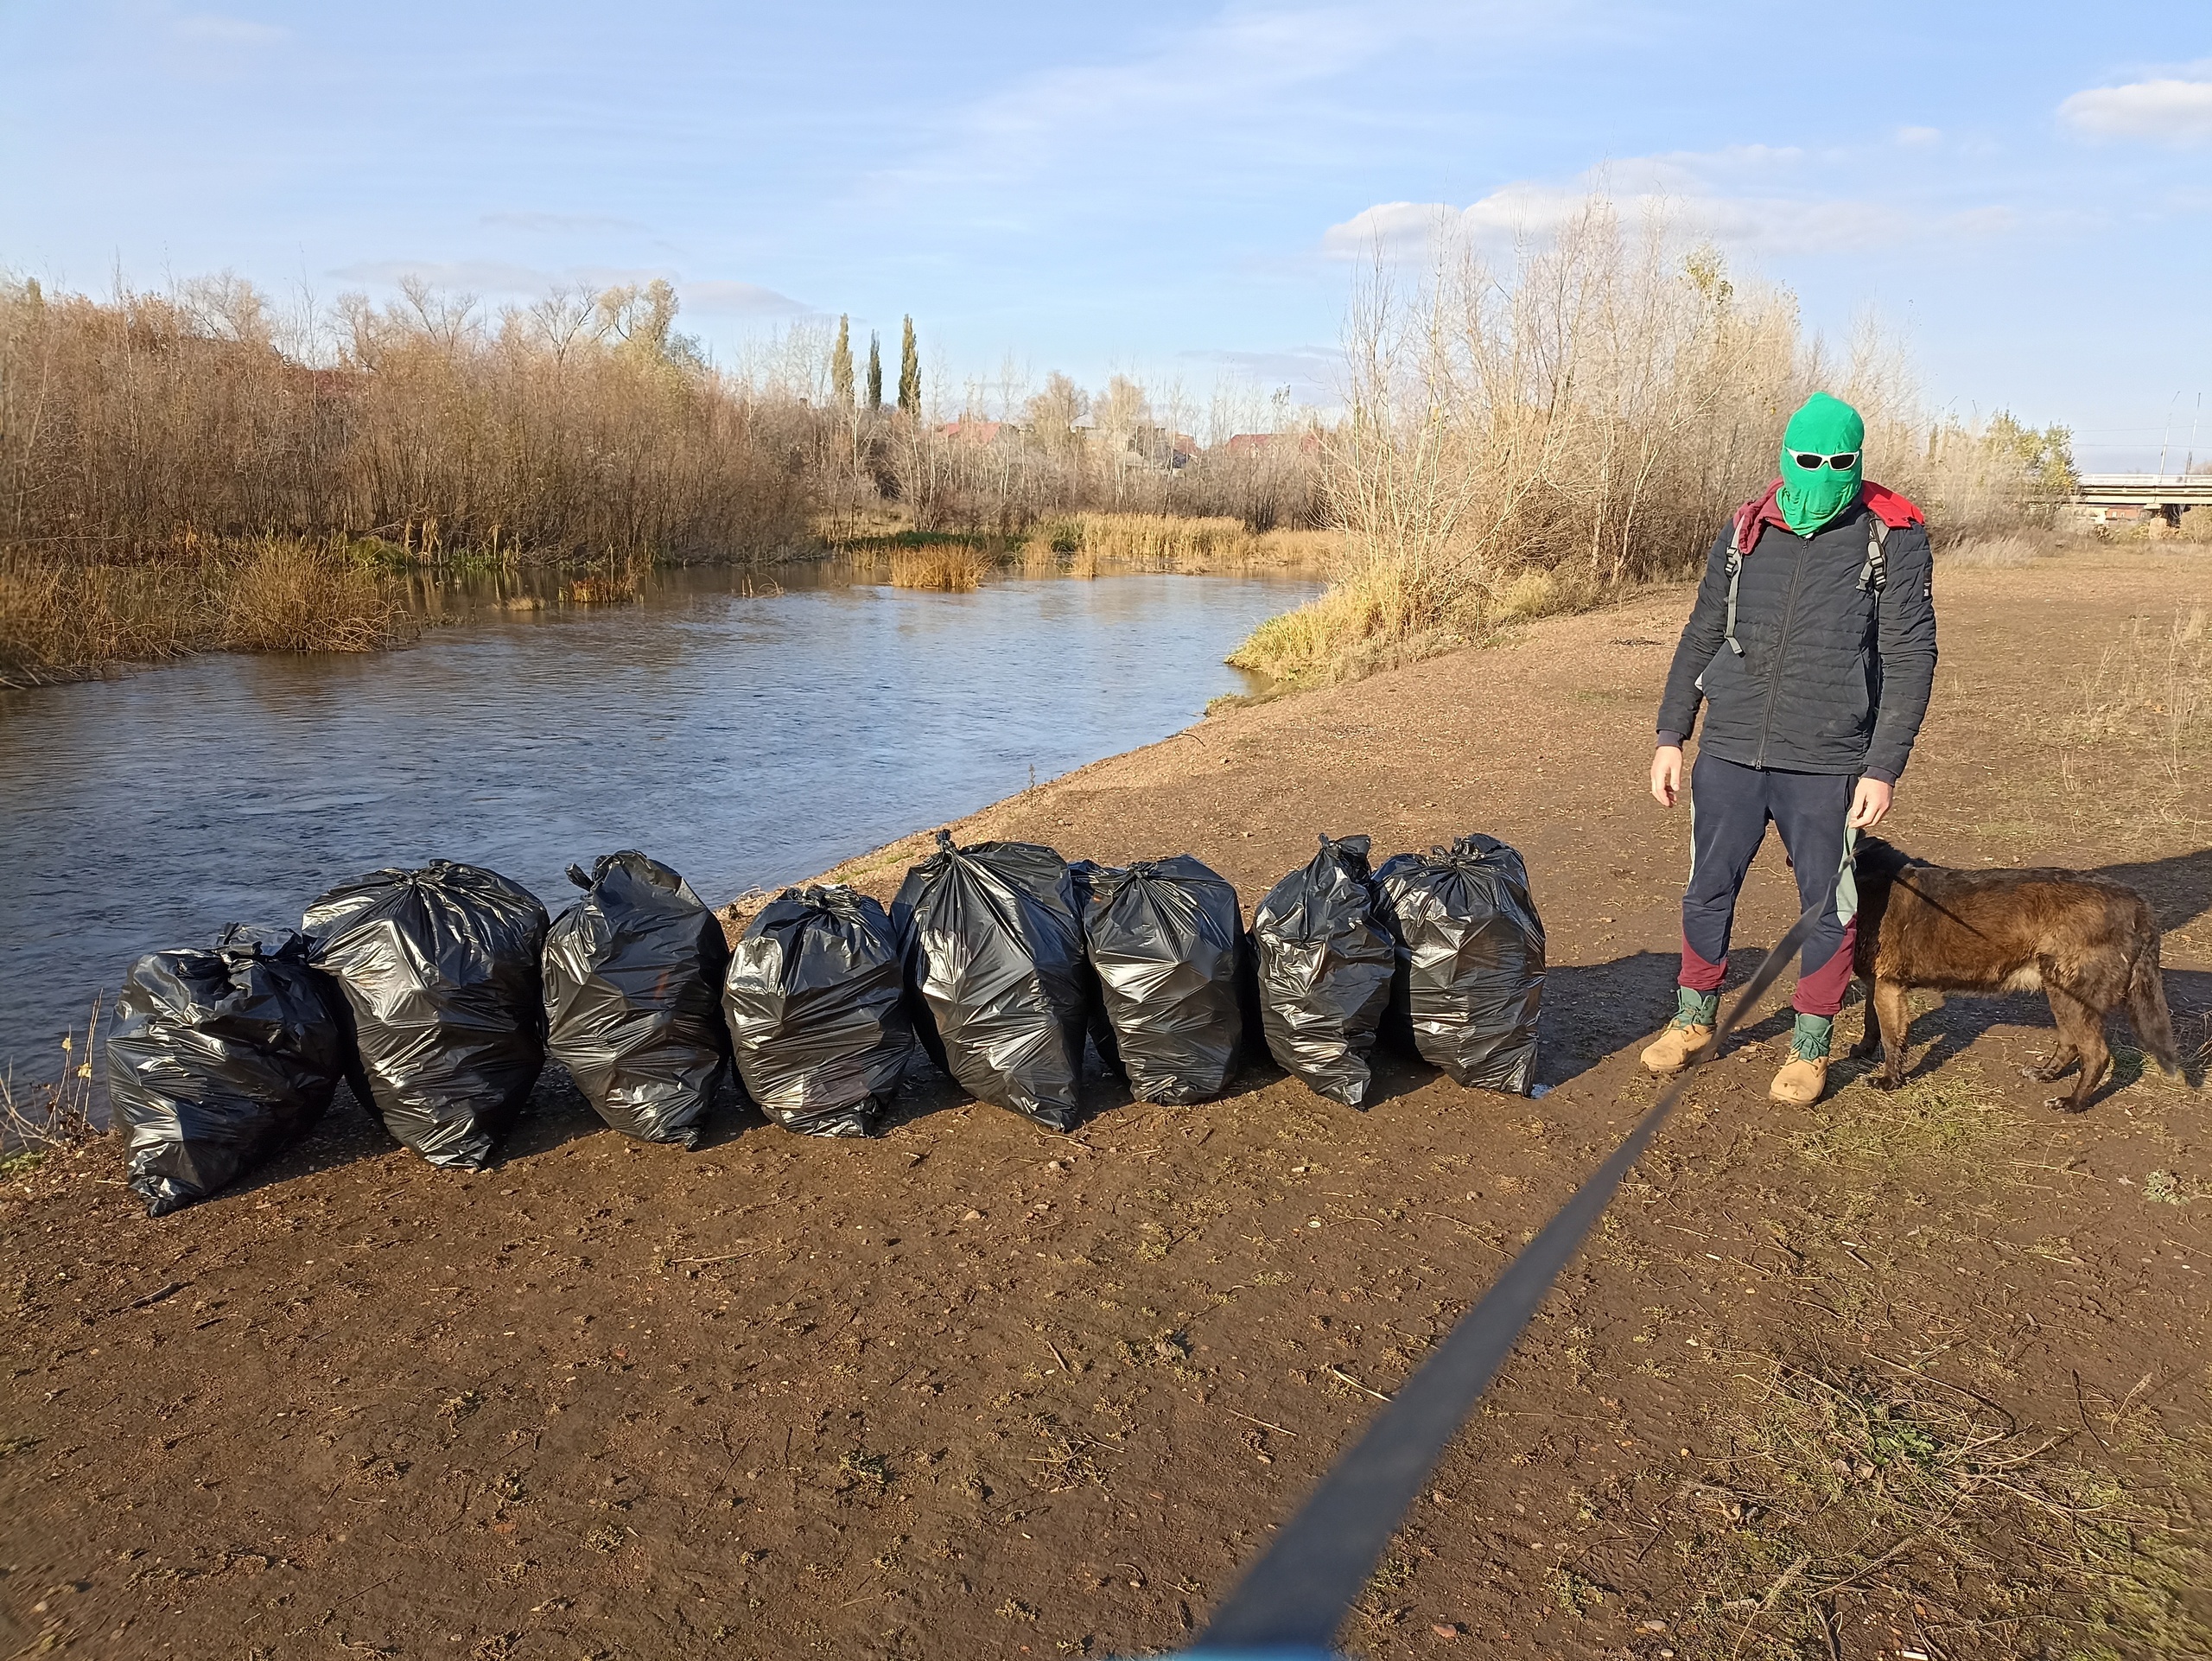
945,568
185,471
1162,541
61,620
128,427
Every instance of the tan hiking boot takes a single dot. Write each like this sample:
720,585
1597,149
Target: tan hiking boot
1804,1076
1678,1047
1800,1083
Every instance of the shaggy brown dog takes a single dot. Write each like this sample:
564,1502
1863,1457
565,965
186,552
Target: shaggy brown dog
2088,945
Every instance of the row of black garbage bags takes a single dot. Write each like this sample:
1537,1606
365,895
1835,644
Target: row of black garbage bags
437,993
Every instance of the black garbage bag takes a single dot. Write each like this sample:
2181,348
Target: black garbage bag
1082,873
441,971
996,974
633,973
218,1057
1167,939
817,1006
1471,960
1326,958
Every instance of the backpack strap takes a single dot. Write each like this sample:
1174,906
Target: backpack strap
1874,575
1735,577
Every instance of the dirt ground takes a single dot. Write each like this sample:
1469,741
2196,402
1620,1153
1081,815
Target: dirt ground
1911,1375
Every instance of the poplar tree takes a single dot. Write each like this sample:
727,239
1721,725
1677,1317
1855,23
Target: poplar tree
841,365
910,373
874,372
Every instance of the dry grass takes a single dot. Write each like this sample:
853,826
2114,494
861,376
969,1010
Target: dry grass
2006,550
1873,1493
283,594
1942,1116
2144,715
46,1118
946,567
1088,543
60,619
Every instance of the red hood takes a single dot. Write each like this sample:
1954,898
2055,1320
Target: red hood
1883,503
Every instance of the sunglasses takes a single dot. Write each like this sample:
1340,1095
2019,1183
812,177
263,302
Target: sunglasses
1812,464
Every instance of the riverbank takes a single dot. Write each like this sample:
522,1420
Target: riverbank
62,619
1914,1372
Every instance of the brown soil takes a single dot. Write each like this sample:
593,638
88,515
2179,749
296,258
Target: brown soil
1922,1372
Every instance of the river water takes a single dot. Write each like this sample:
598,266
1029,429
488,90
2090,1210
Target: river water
748,738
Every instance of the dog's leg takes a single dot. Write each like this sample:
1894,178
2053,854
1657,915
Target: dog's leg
1894,1014
2147,1012
2082,1030
1870,1036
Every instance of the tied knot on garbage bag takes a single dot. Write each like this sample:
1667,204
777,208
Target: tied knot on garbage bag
817,1006
998,986
1471,961
440,973
632,973
218,1057
1167,942
1326,963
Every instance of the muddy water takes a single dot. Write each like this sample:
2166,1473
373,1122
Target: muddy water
748,738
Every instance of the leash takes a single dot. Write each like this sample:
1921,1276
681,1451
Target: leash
1290,1603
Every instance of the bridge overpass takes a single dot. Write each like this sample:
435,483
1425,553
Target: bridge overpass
2131,498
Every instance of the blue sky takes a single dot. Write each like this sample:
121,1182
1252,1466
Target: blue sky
2024,190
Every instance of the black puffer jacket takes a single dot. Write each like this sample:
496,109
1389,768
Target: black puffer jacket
1832,677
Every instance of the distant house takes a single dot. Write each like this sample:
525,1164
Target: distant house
966,432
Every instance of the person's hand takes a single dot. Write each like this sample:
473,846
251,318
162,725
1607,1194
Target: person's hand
1868,808
1667,776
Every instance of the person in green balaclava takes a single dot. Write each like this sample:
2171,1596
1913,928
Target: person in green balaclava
1823,463
1811,651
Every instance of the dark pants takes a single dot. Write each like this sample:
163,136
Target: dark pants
1730,807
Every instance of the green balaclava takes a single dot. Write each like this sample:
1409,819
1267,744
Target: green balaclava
1812,497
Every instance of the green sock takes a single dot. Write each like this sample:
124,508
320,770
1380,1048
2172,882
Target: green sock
1810,1041
1695,1008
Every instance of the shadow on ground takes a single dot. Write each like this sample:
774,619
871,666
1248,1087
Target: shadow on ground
2178,888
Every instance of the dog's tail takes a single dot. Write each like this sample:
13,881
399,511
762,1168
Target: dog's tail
2146,1009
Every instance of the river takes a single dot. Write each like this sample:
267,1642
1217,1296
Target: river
748,736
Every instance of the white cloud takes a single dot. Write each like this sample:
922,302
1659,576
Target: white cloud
2169,111
1760,198
1919,137
719,297
1234,83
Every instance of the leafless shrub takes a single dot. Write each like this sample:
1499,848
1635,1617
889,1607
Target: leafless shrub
1535,436
138,426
